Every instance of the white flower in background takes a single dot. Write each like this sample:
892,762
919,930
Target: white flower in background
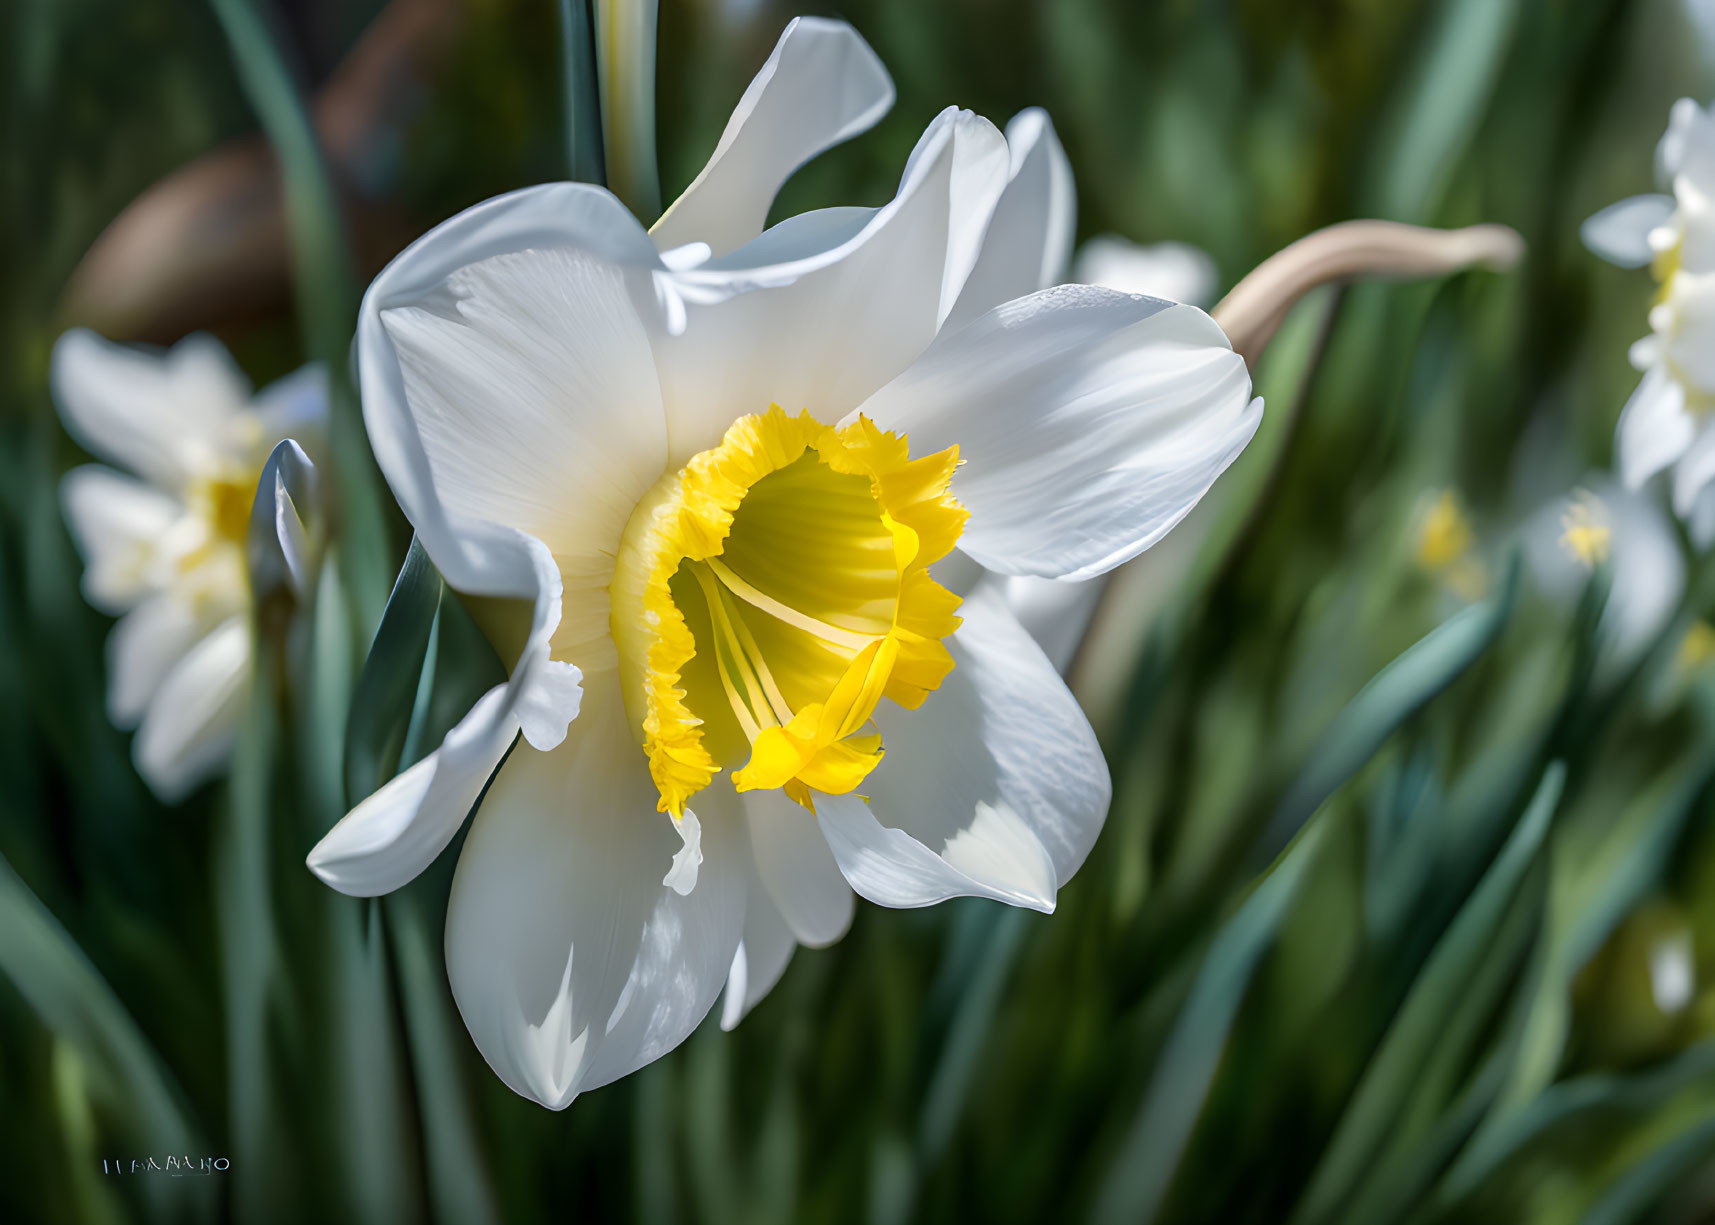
1669,422
1602,521
1055,611
164,540
722,476
1176,271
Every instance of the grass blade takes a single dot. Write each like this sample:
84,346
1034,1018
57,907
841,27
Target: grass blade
72,1000
1446,983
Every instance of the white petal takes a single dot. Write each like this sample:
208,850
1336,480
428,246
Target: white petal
1089,424
1649,570
1654,430
799,240
165,416
1695,470
1055,612
397,832
795,866
394,834
1176,271
824,331
189,728
1683,118
1685,158
995,788
511,331
1029,238
119,525
530,387
143,647
821,86
761,958
1690,308
1620,232
572,964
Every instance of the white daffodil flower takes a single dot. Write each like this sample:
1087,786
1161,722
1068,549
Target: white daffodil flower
719,479
164,541
1600,521
1669,421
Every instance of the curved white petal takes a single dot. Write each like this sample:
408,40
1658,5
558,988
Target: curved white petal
824,331
821,86
1055,612
571,962
142,649
164,415
795,866
119,524
1685,157
994,788
469,458
1683,118
1176,271
1695,470
189,728
530,391
761,958
1620,232
1655,429
399,830
393,835
1089,424
1029,237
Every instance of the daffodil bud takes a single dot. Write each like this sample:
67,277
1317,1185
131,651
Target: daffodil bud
279,548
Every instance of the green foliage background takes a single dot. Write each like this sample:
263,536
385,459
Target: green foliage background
1433,1005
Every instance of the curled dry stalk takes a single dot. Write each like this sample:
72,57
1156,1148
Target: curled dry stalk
1354,251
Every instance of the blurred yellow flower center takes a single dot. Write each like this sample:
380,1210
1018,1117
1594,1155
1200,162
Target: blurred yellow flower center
223,501
1584,530
771,592
1445,535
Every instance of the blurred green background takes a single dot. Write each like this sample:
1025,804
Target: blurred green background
1444,1002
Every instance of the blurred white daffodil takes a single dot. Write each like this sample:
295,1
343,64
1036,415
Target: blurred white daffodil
164,541
1176,271
741,479
1600,522
1669,421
